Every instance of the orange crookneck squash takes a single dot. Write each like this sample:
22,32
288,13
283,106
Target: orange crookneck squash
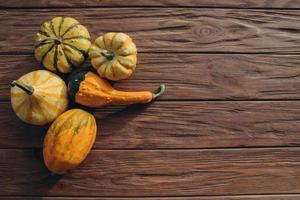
88,89
69,140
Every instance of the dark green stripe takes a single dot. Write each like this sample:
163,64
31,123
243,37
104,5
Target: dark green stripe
64,126
74,83
83,123
68,59
70,28
60,24
44,33
83,53
43,58
42,44
78,37
55,59
52,28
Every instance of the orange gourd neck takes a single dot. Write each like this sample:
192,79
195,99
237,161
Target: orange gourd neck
88,89
26,88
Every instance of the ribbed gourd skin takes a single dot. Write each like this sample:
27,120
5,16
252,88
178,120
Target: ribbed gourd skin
48,101
69,140
61,44
121,56
88,89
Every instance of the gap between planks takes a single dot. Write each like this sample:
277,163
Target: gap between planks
190,197
179,53
157,3
137,6
210,100
204,149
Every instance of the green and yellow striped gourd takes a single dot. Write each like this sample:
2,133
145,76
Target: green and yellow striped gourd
61,44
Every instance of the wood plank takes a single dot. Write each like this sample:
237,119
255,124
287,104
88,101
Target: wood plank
167,29
157,173
171,125
236,197
193,76
159,3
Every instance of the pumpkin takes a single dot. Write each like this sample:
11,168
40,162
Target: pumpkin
69,140
39,97
61,44
88,89
114,56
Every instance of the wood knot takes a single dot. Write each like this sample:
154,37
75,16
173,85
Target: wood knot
207,33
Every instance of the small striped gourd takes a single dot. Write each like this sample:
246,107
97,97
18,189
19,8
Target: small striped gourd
114,56
69,140
62,43
39,97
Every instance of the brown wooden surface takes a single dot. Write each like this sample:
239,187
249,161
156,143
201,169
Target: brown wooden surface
227,128
193,76
236,197
171,125
159,3
157,173
167,29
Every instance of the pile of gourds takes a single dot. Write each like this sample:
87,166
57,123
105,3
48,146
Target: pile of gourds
41,96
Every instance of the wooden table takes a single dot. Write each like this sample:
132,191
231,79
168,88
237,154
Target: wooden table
227,128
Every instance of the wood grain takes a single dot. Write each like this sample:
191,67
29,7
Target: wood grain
236,197
171,125
159,3
167,29
157,173
195,143
193,76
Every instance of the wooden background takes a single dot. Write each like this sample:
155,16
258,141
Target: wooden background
228,127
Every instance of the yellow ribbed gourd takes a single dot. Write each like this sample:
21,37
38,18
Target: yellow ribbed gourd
39,97
69,140
62,43
114,56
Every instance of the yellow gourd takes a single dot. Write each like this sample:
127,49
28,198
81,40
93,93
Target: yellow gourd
88,89
114,56
69,140
62,43
39,97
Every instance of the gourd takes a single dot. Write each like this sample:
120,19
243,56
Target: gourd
39,97
88,89
61,44
69,140
114,56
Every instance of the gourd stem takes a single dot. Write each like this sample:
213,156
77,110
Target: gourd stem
56,40
162,89
26,88
108,55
